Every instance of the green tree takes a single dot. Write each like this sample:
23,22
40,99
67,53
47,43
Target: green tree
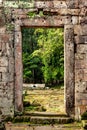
43,55
51,45
31,63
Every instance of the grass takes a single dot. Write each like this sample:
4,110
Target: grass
50,100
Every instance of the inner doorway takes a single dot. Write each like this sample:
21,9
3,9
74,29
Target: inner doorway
43,69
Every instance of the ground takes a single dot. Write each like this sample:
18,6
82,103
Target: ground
49,100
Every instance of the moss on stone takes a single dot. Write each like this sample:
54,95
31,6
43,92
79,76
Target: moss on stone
2,126
8,118
19,4
20,119
10,27
84,116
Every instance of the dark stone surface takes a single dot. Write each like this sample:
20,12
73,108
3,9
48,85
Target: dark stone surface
2,126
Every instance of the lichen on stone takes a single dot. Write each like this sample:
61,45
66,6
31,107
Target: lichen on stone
19,4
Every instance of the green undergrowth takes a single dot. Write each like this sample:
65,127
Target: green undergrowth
34,106
84,116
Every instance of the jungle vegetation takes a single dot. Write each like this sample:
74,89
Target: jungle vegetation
43,55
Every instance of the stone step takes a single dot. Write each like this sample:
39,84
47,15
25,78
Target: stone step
45,114
21,126
33,119
50,120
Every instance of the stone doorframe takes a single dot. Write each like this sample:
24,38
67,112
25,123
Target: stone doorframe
69,76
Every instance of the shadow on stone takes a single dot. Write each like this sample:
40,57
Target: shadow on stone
2,126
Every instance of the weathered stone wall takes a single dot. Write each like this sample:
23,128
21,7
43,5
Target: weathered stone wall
6,67
80,31
69,14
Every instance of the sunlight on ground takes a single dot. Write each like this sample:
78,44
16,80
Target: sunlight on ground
51,100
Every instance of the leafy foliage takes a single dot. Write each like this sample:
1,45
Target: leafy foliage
43,55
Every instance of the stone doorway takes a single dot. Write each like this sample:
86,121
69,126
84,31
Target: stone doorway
69,93
43,56
65,13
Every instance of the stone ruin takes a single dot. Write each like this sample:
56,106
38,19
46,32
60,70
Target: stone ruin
68,14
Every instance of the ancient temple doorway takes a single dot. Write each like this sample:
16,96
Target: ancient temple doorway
43,69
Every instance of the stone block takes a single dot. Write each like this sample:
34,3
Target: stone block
82,3
11,87
5,38
78,101
59,4
11,69
2,20
79,56
6,44
77,113
83,20
9,49
3,47
8,108
82,109
5,77
46,22
3,61
79,75
80,87
85,77
0,46
80,30
62,12
3,69
80,64
83,11
0,76
43,4
17,28
80,39
56,21
2,30
69,35
72,4
3,85
81,48
84,102
75,20
18,41
81,96
50,4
